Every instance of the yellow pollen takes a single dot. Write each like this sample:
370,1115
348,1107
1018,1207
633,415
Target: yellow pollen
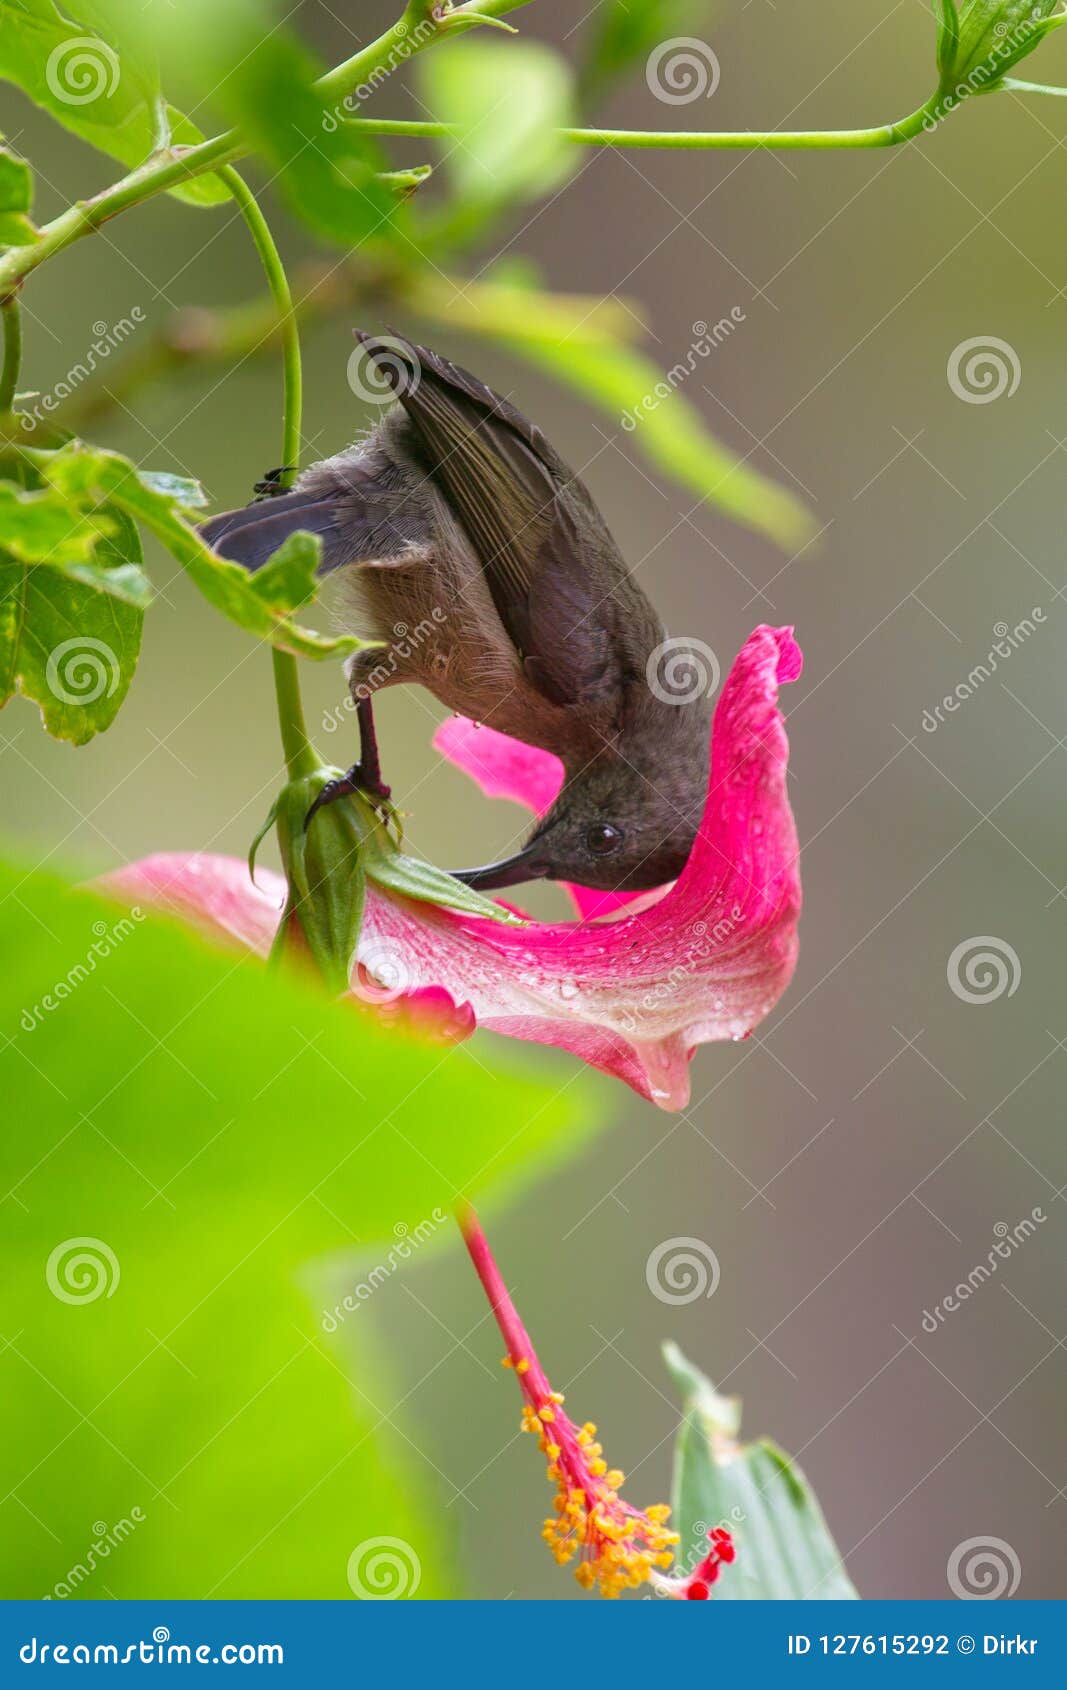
522,1366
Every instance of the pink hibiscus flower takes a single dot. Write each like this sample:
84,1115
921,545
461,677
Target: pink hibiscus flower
637,984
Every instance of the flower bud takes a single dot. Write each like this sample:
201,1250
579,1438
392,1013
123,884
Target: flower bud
324,870
979,41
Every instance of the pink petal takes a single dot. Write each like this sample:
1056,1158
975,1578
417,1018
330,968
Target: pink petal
508,768
706,959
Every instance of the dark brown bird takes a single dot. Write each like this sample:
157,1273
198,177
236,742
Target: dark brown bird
483,565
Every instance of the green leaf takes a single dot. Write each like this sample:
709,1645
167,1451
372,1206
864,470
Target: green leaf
69,639
260,603
225,1139
979,41
624,33
16,198
509,98
260,76
83,81
784,1548
183,489
39,526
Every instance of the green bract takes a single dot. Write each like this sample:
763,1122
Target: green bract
981,40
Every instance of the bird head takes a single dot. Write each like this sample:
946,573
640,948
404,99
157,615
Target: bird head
613,827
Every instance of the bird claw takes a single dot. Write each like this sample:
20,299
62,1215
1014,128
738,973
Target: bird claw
347,784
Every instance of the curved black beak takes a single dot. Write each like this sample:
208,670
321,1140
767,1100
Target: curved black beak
523,866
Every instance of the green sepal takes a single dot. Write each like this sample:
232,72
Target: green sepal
398,872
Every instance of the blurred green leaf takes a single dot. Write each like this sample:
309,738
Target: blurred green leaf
226,1139
623,32
509,98
183,489
258,75
16,198
260,603
41,525
584,348
69,639
81,79
784,1548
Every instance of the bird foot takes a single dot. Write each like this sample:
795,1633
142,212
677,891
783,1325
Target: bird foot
345,785
272,483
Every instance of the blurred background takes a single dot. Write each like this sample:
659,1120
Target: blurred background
852,1162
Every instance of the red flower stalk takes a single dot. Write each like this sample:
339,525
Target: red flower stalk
618,1547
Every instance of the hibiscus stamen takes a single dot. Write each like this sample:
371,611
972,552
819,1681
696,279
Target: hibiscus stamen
617,1547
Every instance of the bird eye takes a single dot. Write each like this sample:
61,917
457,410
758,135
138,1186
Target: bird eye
603,839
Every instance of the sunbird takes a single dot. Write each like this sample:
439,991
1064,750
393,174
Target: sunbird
481,561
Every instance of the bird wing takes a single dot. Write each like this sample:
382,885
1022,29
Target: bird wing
556,577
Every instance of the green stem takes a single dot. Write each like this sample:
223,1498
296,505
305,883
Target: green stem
881,135
9,380
300,758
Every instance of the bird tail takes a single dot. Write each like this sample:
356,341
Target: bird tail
251,535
